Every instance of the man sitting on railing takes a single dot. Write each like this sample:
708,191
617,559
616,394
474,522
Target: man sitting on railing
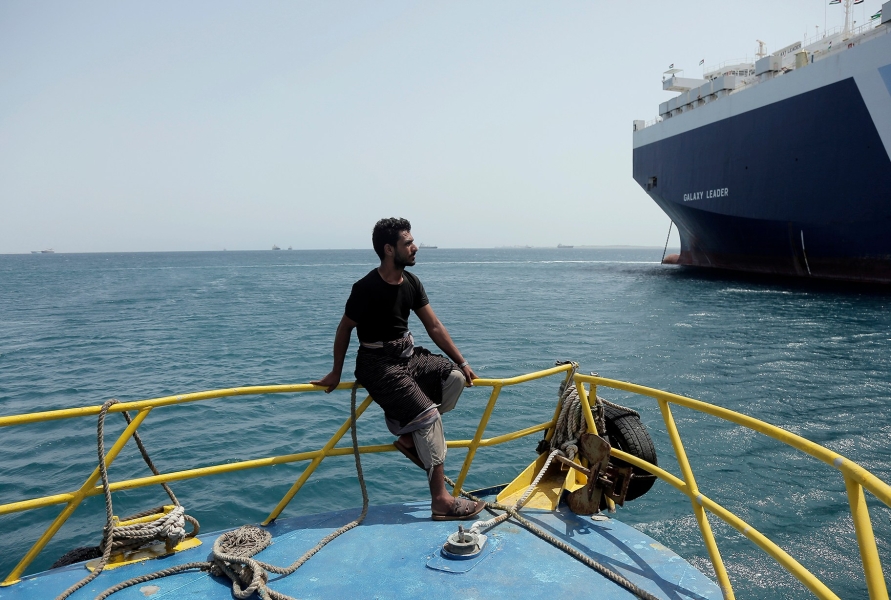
413,386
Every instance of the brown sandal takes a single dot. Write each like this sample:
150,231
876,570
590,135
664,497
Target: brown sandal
461,511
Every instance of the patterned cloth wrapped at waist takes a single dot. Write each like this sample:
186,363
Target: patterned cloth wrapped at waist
402,347
404,379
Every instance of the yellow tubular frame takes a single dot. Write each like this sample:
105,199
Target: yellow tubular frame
76,498
856,478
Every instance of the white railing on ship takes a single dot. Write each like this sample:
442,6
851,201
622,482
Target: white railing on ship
869,25
727,63
872,25
806,41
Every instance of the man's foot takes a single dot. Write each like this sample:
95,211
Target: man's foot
461,510
409,451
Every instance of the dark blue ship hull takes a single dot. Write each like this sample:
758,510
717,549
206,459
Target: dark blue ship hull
801,186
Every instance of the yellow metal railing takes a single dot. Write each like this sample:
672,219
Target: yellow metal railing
72,500
856,478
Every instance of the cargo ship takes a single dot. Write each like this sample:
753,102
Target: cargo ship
780,165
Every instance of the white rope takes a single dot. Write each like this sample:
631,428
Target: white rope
570,422
233,551
476,527
569,427
171,527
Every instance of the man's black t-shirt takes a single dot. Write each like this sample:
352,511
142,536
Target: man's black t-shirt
381,309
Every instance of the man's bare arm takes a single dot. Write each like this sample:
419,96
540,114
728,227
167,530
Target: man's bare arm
440,336
341,345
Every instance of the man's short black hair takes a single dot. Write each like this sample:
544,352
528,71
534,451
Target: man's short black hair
386,231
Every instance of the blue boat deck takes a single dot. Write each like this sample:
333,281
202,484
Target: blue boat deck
395,553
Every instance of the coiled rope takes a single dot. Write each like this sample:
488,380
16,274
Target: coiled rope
233,551
170,527
570,422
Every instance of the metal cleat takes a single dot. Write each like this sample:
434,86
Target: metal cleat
463,544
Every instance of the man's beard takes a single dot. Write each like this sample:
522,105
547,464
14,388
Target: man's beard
402,263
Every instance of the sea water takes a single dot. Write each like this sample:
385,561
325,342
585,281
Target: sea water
76,330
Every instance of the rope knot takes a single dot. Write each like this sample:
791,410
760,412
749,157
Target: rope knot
571,450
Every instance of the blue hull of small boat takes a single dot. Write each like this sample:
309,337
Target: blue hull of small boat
395,553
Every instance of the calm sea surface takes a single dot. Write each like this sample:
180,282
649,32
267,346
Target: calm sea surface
76,330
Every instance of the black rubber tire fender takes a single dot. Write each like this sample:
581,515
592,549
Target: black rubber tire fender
625,432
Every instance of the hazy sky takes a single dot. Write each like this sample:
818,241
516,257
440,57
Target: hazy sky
132,126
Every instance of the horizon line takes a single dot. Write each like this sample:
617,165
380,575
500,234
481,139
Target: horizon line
511,247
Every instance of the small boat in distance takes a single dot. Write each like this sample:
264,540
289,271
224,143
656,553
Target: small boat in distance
563,246
274,247
426,247
290,248
47,251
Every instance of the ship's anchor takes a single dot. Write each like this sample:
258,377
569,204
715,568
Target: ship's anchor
603,478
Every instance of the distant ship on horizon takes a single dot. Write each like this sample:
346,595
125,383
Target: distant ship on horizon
274,247
564,246
426,247
47,251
